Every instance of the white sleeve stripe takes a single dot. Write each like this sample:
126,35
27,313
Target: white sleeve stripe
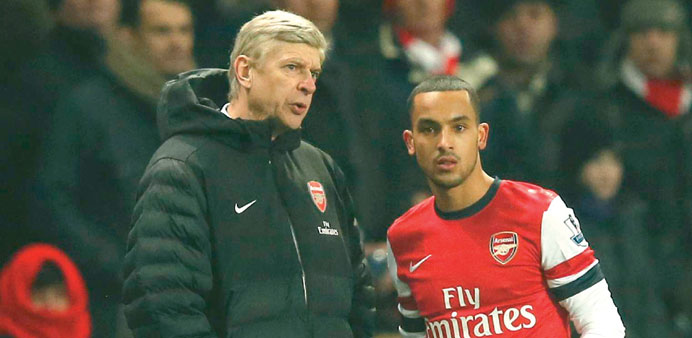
402,289
553,283
413,314
561,238
593,312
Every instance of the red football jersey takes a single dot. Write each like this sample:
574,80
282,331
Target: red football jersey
498,267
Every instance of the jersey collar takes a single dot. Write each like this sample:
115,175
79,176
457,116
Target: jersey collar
473,208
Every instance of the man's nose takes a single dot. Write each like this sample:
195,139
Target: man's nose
309,85
445,140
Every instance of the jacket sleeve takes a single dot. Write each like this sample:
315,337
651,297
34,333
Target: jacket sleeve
362,314
168,274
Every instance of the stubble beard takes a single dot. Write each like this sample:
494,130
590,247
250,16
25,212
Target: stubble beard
455,181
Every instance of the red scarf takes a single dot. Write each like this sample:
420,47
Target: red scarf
670,97
666,95
443,59
20,319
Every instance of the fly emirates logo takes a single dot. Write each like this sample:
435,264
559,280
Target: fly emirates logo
498,321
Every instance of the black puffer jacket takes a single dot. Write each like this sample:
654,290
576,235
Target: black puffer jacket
228,239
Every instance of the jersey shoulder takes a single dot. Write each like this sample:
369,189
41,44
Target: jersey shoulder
410,220
527,195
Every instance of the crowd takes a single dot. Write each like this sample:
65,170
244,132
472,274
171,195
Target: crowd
589,98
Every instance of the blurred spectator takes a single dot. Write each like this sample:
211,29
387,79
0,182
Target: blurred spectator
102,136
72,52
75,51
529,99
42,294
614,220
647,67
413,43
24,25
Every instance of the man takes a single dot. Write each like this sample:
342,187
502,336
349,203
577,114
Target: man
486,256
241,229
530,97
105,131
54,45
647,68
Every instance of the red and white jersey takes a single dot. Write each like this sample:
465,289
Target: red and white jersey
499,267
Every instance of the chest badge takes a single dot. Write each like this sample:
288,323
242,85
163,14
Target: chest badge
503,246
318,195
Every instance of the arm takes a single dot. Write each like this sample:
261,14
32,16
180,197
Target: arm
167,270
412,324
574,275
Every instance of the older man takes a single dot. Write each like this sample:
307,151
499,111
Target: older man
241,229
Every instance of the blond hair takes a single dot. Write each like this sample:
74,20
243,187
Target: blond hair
257,36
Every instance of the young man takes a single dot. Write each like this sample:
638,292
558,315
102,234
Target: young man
485,256
241,229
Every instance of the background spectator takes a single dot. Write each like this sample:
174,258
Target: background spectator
412,43
100,140
529,99
647,70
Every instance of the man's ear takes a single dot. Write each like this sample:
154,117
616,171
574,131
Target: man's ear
483,131
242,67
408,139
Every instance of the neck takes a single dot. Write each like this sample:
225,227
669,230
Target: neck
464,195
239,108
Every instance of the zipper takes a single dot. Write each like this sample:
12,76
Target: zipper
293,235
300,262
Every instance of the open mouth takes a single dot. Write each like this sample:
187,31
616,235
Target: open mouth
299,108
446,162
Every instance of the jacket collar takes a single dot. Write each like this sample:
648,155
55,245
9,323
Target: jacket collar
190,105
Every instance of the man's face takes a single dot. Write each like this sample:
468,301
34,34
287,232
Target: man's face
654,51
420,16
446,137
322,13
282,84
165,35
526,32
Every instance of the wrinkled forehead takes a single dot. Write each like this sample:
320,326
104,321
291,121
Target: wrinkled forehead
275,50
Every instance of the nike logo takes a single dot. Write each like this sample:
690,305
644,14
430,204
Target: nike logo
240,210
413,267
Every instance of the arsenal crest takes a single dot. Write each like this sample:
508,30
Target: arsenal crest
318,195
503,246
